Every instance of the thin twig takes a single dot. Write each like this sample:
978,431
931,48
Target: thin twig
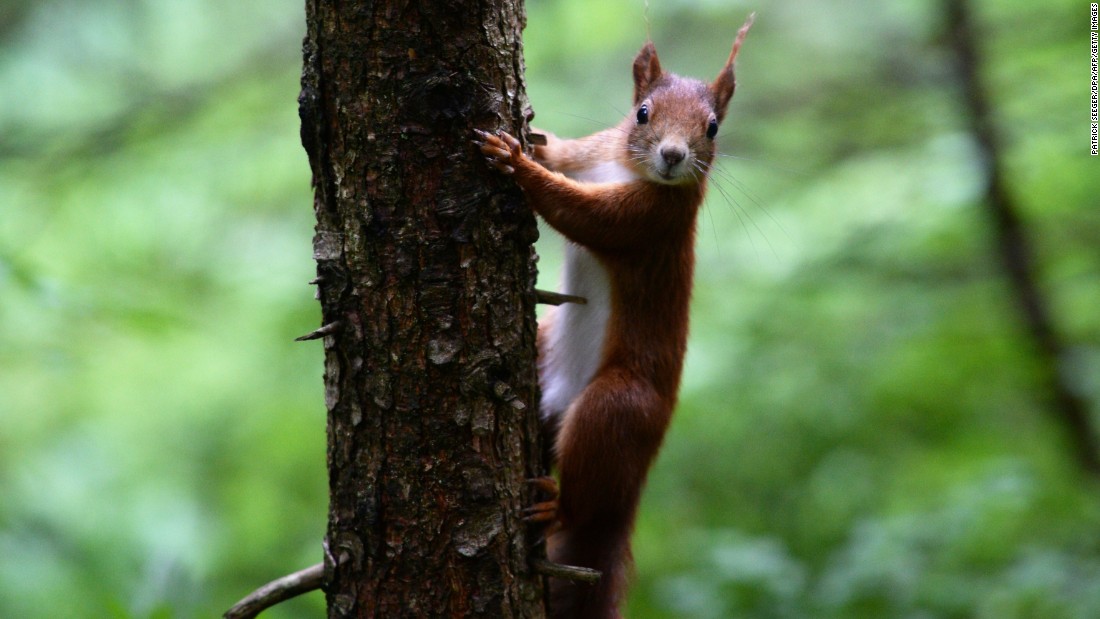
276,591
319,333
556,298
566,572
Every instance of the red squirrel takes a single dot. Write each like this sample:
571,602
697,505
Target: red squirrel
626,200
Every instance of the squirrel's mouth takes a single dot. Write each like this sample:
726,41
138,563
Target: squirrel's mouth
670,172
673,175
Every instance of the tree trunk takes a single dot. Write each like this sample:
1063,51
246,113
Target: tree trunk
425,273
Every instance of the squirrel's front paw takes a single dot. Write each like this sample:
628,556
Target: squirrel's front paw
543,512
502,151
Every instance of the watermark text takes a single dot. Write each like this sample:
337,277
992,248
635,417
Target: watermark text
1094,96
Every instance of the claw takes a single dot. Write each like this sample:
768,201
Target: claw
512,142
545,483
546,511
543,511
501,150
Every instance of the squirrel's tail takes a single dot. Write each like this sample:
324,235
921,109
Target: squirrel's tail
603,546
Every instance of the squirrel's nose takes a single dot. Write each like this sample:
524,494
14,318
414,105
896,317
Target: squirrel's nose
672,155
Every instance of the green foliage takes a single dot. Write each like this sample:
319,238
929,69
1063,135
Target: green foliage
863,430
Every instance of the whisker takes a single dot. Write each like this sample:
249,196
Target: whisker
742,216
737,209
599,123
717,173
618,110
698,168
766,163
743,188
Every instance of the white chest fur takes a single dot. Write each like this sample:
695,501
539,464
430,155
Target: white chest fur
575,342
574,345
605,172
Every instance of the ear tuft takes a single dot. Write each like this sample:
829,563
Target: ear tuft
647,69
723,86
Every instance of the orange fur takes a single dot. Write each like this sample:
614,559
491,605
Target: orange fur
641,229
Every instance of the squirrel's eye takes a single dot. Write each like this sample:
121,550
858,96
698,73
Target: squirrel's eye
712,129
643,114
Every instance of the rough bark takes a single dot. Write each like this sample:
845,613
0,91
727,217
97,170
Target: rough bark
1069,408
425,274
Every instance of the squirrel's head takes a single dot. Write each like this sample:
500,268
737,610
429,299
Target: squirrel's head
675,119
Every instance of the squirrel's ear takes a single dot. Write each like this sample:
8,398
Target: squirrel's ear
723,86
722,90
647,68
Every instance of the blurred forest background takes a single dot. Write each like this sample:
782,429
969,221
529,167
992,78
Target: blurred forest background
865,430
